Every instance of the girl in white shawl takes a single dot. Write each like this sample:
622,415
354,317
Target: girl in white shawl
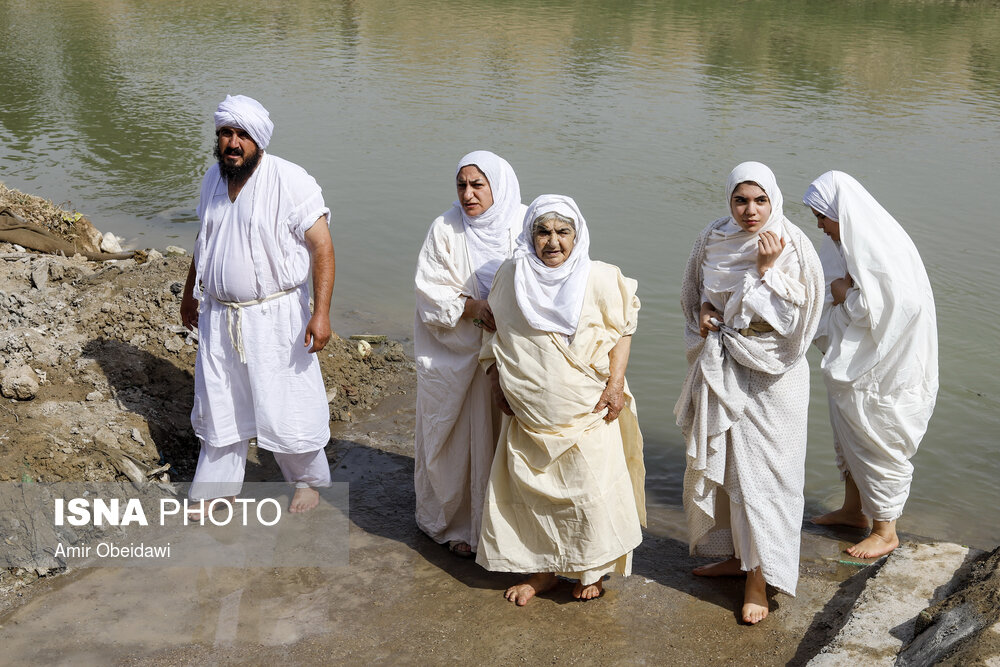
456,419
879,340
752,297
566,490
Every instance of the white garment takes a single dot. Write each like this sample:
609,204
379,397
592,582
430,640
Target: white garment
278,203
456,419
880,344
278,395
551,298
488,235
743,406
221,470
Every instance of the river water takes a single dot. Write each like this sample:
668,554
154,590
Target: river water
637,109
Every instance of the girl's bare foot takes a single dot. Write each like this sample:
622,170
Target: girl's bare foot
755,606
520,594
590,591
841,517
726,568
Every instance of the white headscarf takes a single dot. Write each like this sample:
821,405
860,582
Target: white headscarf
247,114
732,252
488,234
551,298
882,261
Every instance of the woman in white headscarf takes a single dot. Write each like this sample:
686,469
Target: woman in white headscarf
879,340
456,419
752,297
566,493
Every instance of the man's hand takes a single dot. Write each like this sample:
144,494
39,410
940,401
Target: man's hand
324,269
189,304
189,312
769,247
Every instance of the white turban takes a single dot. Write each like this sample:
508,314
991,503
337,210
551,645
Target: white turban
247,114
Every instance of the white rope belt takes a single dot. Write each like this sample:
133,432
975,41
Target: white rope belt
234,318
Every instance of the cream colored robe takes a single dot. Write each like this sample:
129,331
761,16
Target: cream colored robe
457,422
566,491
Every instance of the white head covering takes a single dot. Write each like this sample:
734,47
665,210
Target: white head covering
882,261
247,114
551,298
730,251
488,234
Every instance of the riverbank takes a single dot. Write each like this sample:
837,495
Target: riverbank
97,381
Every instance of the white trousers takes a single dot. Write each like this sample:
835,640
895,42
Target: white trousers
220,470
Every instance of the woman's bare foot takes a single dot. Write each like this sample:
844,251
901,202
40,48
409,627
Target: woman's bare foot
460,549
305,499
755,606
590,591
726,568
841,517
520,594
881,541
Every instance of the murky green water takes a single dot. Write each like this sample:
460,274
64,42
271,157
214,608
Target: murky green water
637,109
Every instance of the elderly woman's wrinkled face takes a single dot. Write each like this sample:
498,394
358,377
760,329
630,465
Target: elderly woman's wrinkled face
553,239
750,207
474,192
829,226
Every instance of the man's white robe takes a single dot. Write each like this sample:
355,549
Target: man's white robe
250,249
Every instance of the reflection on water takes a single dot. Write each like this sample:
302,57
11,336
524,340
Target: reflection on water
638,110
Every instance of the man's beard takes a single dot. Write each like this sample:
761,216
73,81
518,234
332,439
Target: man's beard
237,174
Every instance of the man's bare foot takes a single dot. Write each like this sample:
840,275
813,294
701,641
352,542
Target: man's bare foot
305,499
520,594
755,606
726,568
198,510
590,591
841,517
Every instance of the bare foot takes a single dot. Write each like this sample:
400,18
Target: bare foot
198,510
590,591
755,606
841,517
304,500
726,568
874,545
537,583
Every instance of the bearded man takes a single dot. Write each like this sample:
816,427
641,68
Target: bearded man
263,226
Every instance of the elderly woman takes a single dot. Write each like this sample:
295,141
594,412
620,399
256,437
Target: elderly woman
565,494
457,423
752,297
879,340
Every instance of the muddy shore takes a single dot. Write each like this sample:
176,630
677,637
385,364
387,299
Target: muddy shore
97,380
